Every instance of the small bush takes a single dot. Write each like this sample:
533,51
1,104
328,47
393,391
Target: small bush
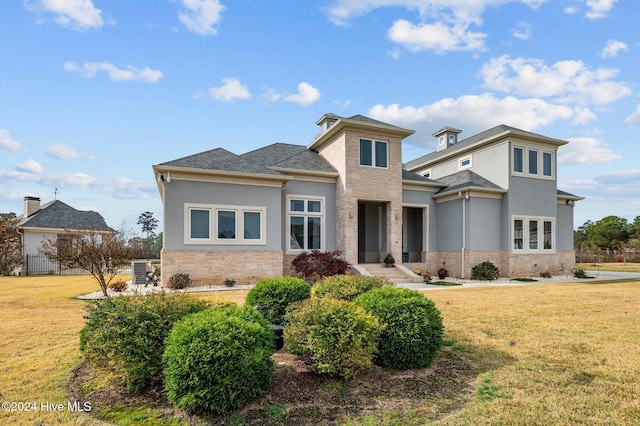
272,296
485,271
545,274
118,286
125,335
179,281
413,332
229,282
348,287
332,336
218,360
316,263
580,273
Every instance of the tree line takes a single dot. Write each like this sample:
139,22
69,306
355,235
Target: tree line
610,239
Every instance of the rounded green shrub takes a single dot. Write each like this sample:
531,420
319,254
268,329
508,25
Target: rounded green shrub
332,336
485,271
125,335
348,287
272,296
179,281
413,332
218,360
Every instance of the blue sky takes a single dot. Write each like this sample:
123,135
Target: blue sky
94,92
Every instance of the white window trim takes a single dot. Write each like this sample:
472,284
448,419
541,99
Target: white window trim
465,158
540,163
213,225
373,153
426,173
321,215
526,237
441,140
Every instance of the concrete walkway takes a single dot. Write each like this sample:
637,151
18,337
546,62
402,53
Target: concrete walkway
501,282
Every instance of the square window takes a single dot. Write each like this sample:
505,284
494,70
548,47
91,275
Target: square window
314,206
199,224
226,224
518,160
252,223
546,163
533,161
296,205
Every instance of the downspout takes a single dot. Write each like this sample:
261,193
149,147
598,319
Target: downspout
464,229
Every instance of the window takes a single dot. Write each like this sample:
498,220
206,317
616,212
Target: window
373,153
441,140
546,164
533,235
226,224
536,238
452,139
533,161
305,223
518,159
518,236
427,173
464,163
199,224
215,224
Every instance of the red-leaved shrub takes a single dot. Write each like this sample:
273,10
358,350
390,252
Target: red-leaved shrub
319,264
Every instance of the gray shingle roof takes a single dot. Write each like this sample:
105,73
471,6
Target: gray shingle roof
288,156
58,215
407,175
461,145
222,160
465,179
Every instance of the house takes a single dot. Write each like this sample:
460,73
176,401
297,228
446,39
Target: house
492,196
53,220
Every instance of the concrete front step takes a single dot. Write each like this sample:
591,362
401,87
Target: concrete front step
395,274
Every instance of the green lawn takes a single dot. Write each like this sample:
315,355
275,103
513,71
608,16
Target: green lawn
545,354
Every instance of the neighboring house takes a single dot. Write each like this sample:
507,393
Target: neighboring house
492,196
54,220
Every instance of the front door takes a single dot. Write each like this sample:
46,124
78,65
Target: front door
412,234
372,231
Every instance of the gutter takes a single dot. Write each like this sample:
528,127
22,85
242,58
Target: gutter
464,198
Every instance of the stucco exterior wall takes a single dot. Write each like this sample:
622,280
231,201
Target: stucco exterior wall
180,192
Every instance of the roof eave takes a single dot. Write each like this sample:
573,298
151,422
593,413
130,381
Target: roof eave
470,189
320,173
190,170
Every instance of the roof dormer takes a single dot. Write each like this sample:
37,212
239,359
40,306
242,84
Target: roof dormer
446,137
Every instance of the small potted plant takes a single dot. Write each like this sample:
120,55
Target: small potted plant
389,261
442,272
229,282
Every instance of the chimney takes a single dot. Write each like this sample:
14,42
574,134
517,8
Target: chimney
446,137
31,205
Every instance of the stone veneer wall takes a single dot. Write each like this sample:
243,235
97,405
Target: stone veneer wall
213,267
510,265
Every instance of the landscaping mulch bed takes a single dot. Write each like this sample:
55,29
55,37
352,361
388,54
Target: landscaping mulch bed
301,397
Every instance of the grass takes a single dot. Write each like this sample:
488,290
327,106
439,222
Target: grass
552,354
610,267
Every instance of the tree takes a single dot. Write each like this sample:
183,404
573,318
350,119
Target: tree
10,243
149,224
99,253
609,232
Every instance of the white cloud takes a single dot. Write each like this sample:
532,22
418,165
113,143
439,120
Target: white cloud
201,16
522,31
475,113
620,177
586,150
65,152
438,37
79,15
130,73
231,90
599,8
307,94
7,143
444,24
634,119
565,81
613,48
30,166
